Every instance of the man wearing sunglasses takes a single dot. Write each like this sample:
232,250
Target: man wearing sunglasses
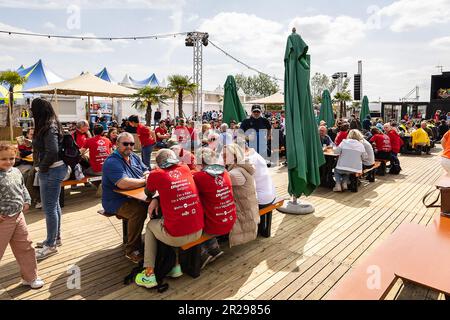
263,131
123,169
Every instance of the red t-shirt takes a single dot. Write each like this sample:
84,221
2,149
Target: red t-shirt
160,131
99,149
183,134
340,136
179,200
145,136
216,195
80,138
396,141
382,142
193,133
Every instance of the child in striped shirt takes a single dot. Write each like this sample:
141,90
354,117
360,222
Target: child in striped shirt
15,200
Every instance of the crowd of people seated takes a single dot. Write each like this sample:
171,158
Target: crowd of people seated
206,181
360,144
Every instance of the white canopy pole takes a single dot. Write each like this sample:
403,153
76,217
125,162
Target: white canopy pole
56,102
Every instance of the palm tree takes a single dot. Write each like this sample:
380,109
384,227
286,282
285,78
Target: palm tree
12,79
180,86
342,97
148,96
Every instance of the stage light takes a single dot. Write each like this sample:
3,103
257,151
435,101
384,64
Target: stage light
205,39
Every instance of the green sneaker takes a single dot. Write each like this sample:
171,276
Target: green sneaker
175,272
145,281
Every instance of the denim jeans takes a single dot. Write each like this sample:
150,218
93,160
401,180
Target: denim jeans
146,154
50,188
161,145
342,175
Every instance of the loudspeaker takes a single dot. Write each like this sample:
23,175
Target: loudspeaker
357,87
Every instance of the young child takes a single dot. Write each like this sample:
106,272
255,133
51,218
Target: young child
15,200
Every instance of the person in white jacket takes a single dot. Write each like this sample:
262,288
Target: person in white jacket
352,153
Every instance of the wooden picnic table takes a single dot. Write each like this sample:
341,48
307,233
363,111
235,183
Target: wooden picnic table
330,153
413,252
138,194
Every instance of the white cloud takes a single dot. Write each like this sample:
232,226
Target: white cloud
261,42
36,44
6,63
246,35
412,14
6,58
49,25
441,43
193,17
324,33
93,4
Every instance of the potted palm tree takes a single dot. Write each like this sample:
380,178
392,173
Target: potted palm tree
342,98
148,96
11,79
179,86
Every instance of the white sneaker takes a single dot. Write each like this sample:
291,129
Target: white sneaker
38,205
35,284
344,186
337,188
40,245
45,252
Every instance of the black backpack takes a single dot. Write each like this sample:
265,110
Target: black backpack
70,153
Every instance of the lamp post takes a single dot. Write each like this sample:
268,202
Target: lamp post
340,77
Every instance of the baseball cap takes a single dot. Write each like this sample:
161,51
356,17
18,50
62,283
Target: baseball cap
256,108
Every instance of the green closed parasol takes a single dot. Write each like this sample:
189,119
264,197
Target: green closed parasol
232,106
326,109
304,151
364,109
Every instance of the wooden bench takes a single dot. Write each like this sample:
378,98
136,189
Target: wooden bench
74,183
265,213
369,173
413,252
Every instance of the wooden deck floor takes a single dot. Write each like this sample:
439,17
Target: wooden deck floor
304,259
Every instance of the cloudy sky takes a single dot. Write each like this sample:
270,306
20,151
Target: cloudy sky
400,42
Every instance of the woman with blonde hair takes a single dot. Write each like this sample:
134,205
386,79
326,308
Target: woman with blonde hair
351,155
206,130
241,173
370,160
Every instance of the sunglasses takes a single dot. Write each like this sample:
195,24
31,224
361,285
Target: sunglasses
256,111
213,139
126,144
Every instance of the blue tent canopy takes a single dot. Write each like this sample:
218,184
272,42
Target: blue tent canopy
105,75
151,81
38,75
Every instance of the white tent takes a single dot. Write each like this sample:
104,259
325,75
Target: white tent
85,84
126,82
275,99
